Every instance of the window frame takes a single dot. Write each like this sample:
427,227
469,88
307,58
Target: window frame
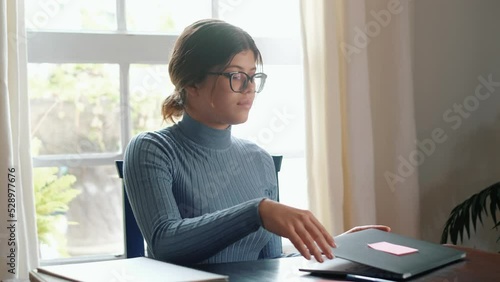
125,48
100,48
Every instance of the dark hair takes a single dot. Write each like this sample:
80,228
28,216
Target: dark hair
202,46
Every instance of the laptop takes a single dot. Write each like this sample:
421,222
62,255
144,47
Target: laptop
386,255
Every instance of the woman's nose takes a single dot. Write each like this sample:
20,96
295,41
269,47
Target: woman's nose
250,87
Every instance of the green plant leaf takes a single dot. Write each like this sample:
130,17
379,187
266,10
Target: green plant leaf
496,225
53,193
474,212
444,235
498,195
467,218
494,202
454,228
471,210
481,199
461,223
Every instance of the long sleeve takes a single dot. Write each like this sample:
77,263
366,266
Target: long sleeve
177,230
273,249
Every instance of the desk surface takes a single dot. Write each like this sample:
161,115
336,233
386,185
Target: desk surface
478,266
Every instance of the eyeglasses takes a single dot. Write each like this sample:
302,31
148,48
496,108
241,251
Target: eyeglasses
238,80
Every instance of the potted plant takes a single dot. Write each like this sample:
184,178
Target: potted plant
471,210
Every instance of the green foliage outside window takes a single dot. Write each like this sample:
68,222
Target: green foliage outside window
53,193
76,110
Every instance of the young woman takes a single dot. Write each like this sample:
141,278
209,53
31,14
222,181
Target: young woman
199,194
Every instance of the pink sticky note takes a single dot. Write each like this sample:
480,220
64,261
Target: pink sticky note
392,248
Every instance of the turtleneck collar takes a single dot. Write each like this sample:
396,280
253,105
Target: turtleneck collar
204,135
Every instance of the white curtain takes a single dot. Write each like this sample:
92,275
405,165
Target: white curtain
361,155
18,240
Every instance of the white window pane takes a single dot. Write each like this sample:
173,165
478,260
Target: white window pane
93,224
149,86
276,121
97,212
293,183
71,15
263,18
75,108
165,16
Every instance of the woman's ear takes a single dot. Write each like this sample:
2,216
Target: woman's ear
192,90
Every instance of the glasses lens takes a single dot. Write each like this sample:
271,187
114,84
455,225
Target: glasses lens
259,80
239,82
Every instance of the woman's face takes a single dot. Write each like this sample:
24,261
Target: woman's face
213,103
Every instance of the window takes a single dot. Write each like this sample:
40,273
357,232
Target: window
98,75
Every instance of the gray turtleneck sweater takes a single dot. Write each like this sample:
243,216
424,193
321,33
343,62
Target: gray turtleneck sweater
195,193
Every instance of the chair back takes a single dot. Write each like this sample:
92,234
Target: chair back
277,167
134,242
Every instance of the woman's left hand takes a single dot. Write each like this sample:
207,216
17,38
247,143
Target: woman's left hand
364,227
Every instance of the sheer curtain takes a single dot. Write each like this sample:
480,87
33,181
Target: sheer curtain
361,154
18,245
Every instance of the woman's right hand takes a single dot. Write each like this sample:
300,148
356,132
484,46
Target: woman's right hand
299,226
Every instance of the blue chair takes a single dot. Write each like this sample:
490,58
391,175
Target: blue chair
134,242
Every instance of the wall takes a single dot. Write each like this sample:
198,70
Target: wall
456,42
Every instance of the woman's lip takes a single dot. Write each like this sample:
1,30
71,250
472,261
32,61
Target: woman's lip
245,103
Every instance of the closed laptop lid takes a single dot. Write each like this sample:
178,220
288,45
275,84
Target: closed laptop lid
355,247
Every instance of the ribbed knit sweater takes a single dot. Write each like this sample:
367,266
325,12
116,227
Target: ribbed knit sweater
195,192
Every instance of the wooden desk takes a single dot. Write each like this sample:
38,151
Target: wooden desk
478,266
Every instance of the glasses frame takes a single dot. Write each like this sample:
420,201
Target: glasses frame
245,85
